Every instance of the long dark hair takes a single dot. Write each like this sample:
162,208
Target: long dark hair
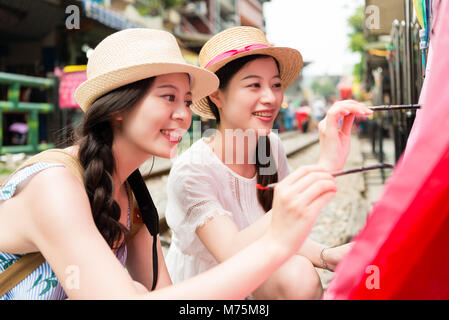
95,137
225,75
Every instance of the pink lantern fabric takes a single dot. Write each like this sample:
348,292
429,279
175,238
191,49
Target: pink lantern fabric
402,251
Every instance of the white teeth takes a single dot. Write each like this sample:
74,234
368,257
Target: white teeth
173,135
263,114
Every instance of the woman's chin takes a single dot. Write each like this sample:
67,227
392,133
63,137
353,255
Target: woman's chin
163,151
167,153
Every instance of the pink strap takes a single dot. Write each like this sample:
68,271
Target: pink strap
233,52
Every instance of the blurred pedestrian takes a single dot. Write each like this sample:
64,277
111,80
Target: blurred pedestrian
19,132
303,114
319,110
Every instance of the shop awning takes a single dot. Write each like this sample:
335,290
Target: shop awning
107,17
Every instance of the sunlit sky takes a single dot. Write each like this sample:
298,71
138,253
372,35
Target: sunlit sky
317,28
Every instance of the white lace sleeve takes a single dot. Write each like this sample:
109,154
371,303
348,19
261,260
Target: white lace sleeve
192,200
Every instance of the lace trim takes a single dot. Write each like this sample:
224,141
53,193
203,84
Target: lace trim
210,216
197,218
237,192
199,204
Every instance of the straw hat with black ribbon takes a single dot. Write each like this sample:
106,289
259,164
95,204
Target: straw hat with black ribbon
135,54
237,42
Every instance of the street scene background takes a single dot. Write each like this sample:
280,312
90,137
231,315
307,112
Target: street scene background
352,49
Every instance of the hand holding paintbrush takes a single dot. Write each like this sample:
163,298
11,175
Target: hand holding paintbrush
335,130
335,133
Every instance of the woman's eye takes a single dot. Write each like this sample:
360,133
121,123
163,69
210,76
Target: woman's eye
169,97
188,103
254,85
277,85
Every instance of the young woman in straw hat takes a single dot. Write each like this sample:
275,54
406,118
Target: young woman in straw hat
136,102
214,208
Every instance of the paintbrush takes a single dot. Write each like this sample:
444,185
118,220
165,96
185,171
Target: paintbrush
338,173
395,107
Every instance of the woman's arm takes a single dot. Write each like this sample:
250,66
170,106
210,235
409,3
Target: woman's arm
140,256
60,224
223,239
233,279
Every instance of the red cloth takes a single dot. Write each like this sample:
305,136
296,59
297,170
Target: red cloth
301,117
345,93
402,251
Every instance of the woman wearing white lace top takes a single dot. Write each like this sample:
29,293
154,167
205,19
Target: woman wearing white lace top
214,208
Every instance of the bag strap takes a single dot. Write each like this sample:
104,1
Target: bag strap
149,214
19,270
57,156
29,262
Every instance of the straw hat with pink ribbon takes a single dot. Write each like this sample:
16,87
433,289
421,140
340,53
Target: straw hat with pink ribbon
237,42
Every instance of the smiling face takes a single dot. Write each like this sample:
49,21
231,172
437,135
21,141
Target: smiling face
160,119
252,98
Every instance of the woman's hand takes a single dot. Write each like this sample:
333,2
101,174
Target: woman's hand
296,203
332,256
335,141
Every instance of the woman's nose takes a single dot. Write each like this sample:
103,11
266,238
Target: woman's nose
268,96
180,113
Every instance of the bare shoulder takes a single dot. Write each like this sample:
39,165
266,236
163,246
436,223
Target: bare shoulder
59,223
56,195
49,202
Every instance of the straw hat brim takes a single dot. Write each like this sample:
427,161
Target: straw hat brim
290,64
204,81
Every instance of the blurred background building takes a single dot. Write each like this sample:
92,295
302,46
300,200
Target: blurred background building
44,47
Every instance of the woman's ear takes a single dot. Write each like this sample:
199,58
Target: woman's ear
117,121
117,116
216,98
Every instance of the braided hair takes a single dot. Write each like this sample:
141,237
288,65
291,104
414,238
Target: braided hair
95,136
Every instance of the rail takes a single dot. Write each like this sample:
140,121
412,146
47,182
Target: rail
32,109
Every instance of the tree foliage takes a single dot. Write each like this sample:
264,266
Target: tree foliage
155,7
323,87
357,40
